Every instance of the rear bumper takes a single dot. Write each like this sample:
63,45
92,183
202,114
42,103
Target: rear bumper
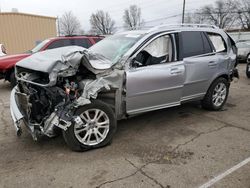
16,114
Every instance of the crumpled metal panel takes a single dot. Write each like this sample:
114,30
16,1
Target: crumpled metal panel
91,88
46,61
61,61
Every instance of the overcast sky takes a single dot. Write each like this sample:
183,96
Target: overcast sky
153,11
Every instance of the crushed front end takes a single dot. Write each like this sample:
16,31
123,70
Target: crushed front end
51,85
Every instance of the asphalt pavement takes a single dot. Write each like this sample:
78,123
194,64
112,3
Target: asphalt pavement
178,147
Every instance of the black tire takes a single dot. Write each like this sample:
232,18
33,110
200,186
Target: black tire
70,137
207,102
248,70
12,79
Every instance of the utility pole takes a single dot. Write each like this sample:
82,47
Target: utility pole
183,11
58,26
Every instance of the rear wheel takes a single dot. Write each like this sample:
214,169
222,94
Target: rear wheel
216,95
95,129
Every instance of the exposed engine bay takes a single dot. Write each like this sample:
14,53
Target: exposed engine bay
49,96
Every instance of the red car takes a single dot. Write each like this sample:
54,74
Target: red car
7,63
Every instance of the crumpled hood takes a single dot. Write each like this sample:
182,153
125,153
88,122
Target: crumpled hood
69,56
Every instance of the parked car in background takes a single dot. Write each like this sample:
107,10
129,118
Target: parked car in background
248,67
243,50
87,91
7,63
2,50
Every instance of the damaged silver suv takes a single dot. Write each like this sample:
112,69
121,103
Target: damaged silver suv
84,92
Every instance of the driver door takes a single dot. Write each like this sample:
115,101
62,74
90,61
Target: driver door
155,86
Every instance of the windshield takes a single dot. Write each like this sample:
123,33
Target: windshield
114,47
39,46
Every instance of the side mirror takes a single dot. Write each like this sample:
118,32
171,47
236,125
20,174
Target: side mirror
135,63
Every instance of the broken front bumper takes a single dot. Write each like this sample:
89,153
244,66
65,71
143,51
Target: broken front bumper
16,114
19,112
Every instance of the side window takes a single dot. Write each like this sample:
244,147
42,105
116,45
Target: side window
158,51
192,43
59,43
217,41
206,44
83,42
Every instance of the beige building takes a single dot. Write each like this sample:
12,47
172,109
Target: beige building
20,32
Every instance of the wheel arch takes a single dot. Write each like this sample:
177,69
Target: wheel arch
223,75
113,98
226,76
8,73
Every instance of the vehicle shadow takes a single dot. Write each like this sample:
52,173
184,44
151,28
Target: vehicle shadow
140,129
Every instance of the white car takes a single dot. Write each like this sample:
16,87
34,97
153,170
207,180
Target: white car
2,50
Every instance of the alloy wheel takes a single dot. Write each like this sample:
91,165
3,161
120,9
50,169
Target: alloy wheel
94,129
219,94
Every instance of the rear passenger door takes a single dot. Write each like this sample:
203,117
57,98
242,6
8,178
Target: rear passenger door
199,61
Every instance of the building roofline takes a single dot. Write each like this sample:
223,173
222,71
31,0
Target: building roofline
27,14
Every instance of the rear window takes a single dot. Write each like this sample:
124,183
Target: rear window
206,44
83,42
192,43
60,43
217,41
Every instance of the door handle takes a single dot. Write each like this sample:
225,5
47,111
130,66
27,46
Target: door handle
212,63
175,70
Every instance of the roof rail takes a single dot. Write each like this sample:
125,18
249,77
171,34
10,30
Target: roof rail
184,25
87,35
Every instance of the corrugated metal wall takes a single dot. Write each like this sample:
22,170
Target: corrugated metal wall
19,32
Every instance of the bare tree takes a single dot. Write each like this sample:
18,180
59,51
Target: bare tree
195,18
132,18
101,23
243,13
69,24
220,14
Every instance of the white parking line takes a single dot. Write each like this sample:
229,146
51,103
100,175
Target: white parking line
226,173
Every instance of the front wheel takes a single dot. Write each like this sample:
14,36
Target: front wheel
216,95
96,128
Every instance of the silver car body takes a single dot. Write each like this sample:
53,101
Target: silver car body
142,89
167,85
